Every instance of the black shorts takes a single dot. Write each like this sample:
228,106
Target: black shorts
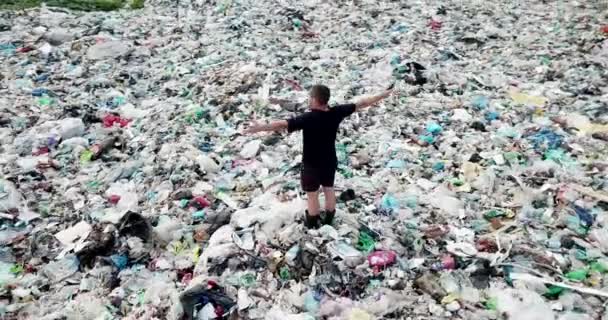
311,177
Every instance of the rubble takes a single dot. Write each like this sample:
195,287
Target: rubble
477,191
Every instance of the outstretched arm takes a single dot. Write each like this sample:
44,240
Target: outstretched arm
272,126
371,101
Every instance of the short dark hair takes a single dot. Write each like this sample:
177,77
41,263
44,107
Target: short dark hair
320,92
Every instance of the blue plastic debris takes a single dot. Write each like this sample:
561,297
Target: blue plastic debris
41,78
411,201
586,218
396,164
546,139
492,115
7,49
400,28
480,102
119,260
395,60
438,166
388,204
577,225
427,139
198,215
39,92
433,128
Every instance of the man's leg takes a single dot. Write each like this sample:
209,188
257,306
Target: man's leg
327,181
312,219
310,184
313,203
330,199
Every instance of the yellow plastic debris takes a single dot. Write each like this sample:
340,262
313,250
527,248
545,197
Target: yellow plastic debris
358,314
526,99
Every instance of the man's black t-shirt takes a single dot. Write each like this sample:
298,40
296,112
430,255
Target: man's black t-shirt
319,130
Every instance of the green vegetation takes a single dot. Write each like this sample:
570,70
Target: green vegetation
84,5
137,4
19,4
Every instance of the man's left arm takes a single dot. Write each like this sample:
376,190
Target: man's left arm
371,101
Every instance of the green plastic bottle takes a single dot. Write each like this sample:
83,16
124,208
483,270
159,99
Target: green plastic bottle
578,275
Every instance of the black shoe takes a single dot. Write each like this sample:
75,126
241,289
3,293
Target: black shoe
329,217
311,222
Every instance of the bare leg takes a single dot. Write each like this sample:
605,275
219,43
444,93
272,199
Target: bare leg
313,203
330,199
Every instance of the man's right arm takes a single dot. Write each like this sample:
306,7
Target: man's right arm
293,124
272,126
371,101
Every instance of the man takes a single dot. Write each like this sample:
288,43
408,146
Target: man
319,161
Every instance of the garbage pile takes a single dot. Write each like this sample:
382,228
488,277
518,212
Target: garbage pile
478,191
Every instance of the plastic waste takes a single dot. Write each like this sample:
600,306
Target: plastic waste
78,231
71,128
429,284
62,269
389,204
347,195
480,102
578,275
112,120
108,50
433,128
358,314
127,183
382,259
365,242
350,255
250,149
311,302
211,293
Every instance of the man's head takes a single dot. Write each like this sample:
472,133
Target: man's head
319,96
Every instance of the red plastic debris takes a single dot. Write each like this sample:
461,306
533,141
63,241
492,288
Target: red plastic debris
110,120
199,202
435,24
25,49
605,29
113,199
310,34
219,311
41,151
486,245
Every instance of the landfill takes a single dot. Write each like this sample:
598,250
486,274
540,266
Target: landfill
477,191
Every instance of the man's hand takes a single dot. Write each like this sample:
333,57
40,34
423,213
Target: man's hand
256,127
277,101
387,93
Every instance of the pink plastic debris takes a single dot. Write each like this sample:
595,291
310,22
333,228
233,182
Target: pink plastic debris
435,24
381,258
113,199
